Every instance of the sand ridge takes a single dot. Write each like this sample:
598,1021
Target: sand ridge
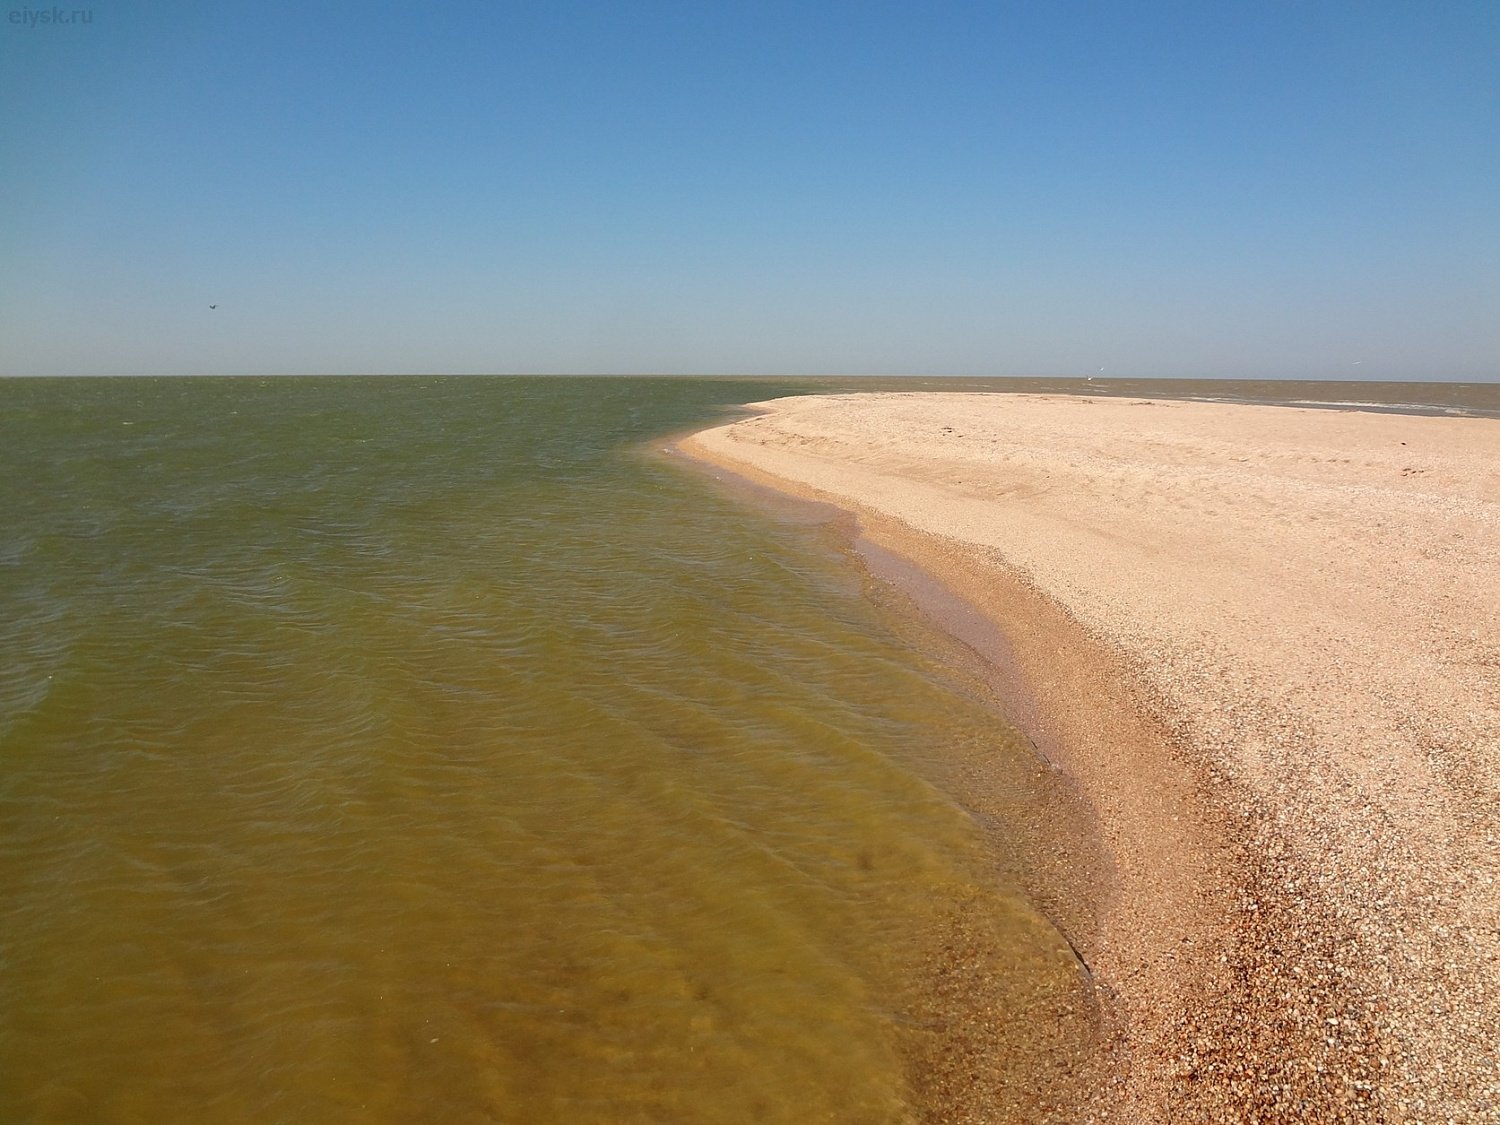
1300,611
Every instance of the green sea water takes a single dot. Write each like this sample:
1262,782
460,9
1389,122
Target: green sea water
408,749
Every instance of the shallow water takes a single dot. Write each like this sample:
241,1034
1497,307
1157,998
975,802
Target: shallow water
434,749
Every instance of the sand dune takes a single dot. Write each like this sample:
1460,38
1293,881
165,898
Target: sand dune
1265,642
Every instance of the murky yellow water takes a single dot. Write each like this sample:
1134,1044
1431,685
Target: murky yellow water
429,750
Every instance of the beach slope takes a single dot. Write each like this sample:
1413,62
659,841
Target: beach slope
1264,642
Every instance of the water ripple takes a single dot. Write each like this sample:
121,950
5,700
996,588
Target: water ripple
418,750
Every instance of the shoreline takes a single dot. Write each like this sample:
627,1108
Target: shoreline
1015,632
1246,966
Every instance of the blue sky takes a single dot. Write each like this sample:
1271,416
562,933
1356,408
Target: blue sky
1293,190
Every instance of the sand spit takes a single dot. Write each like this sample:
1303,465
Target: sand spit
1265,643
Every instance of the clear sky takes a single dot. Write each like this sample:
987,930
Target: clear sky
1259,189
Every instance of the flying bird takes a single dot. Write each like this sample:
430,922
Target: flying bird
213,306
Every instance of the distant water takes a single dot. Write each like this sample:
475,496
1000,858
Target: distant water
406,749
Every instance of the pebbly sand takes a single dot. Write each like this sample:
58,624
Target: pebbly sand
1264,644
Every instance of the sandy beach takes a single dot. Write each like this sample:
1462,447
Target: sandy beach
1264,644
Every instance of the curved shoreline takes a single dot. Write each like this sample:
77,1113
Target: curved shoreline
1246,976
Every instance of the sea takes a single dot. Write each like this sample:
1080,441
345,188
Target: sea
406,749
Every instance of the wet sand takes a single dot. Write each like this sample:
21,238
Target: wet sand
1264,644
